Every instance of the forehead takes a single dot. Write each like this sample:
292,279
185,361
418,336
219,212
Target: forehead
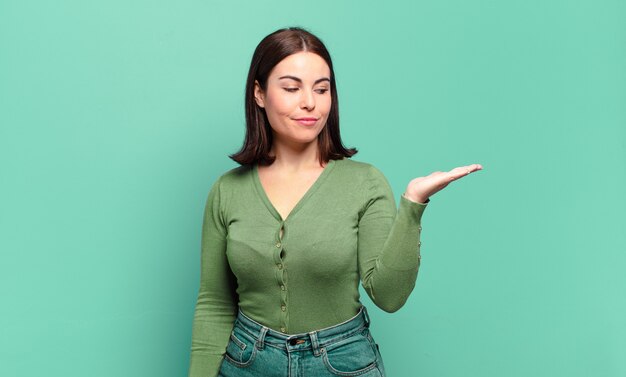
306,65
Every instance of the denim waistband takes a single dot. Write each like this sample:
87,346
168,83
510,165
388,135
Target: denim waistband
315,340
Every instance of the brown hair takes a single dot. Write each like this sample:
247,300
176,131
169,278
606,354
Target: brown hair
270,51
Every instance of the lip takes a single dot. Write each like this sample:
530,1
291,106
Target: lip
306,121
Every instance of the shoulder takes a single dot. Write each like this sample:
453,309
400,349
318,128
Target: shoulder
361,170
234,177
356,167
368,183
364,177
229,182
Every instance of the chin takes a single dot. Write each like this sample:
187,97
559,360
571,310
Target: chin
311,138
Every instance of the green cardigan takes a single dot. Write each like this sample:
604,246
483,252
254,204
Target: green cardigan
345,228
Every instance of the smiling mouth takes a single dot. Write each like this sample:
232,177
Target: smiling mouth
306,121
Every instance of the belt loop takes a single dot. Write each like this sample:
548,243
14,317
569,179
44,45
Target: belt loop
314,343
261,341
366,316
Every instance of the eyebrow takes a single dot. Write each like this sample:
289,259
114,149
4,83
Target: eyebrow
300,80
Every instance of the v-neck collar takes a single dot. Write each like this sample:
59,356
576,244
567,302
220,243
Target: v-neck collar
261,191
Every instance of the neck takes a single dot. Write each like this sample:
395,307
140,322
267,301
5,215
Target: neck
295,156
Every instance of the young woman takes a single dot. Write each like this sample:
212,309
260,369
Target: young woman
288,235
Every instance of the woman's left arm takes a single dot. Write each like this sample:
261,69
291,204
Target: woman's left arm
389,239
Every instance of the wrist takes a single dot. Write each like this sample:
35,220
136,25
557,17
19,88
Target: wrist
416,199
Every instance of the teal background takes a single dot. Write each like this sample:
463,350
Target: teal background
116,117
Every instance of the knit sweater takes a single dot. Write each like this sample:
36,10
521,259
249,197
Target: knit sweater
346,229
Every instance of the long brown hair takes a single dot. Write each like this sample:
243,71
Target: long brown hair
271,51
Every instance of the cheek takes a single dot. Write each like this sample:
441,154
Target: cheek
329,102
280,105
326,105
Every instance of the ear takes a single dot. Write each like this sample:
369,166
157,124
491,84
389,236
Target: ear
259,96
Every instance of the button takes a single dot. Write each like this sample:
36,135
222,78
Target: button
282,329
280,266
282,287
283,308
419,227
419,243
278,244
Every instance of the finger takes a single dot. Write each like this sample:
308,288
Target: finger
462,171
466,169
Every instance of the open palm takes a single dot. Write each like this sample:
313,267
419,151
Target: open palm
421,188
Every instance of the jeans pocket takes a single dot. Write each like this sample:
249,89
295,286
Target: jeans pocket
240,350
351,356
376,348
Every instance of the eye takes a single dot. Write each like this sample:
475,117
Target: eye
322,91
291,90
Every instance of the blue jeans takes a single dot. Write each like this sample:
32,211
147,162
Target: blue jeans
346,349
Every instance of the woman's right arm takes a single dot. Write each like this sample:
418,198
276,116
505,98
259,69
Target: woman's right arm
216,306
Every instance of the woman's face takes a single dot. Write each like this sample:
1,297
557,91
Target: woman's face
297,99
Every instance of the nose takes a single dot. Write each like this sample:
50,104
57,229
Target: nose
308,100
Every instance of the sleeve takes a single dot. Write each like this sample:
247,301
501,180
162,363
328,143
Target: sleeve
216,306
388,243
